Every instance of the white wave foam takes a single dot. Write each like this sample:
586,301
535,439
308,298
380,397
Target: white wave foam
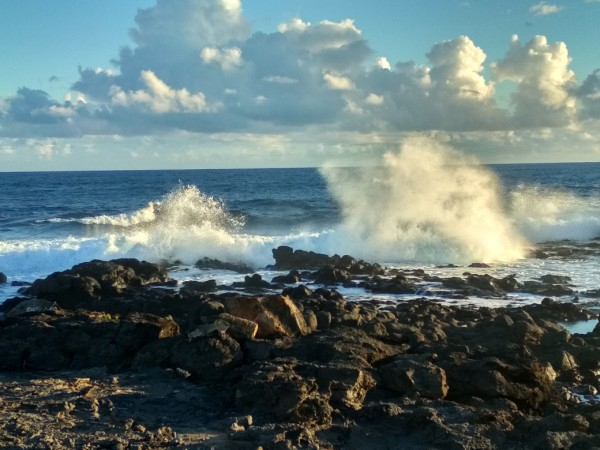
544,214
425,203
33,258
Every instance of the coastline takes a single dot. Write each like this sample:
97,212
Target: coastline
109,355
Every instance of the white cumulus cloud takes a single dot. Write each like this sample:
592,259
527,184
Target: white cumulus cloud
544,81
227,58
337,82
160,98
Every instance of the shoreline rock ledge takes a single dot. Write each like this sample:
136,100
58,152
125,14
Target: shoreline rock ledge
108,355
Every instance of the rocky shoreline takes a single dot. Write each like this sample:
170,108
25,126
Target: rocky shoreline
114,355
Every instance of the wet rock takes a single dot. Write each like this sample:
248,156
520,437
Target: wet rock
454,283
190,288
508,284
208,263
3,278
298,293
397,285
330,275
292,277
286,258
555,279
256,281
485,283
551,290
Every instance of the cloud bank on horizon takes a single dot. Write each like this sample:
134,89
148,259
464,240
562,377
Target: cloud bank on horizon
198,78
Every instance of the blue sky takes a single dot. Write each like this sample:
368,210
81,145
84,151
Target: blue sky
271,83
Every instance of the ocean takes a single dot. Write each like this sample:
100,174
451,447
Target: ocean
527,219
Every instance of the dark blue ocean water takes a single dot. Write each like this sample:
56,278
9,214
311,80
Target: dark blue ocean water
50,221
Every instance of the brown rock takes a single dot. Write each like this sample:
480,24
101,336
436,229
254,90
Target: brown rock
275,315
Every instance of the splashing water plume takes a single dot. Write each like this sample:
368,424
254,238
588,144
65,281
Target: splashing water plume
426,203
185,225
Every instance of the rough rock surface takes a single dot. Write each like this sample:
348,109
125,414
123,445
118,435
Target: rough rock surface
94,358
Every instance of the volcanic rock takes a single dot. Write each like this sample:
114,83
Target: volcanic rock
208,263
275,315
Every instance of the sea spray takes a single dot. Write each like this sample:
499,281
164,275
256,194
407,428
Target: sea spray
545,214
427,203
185,225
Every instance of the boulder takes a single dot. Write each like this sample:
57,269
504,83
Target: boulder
275,315
528,385
292,277
330,275
485,283
255,281
546,289
286,258
97,278
3,278
67,340
411,377
191,288
397,285
275,391
32,306
239,328
207,359
347,385
555,279
67,289
208,263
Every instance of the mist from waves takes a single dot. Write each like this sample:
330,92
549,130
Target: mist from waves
545,214
426,203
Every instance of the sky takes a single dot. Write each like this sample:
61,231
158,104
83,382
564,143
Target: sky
172,84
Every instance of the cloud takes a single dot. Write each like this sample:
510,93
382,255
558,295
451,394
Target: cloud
160,98
589,95
227,58
33,106
543,9
544,82
45,150
451,93
196,68
337,82
189,24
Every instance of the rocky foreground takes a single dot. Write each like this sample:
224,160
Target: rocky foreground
110,355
